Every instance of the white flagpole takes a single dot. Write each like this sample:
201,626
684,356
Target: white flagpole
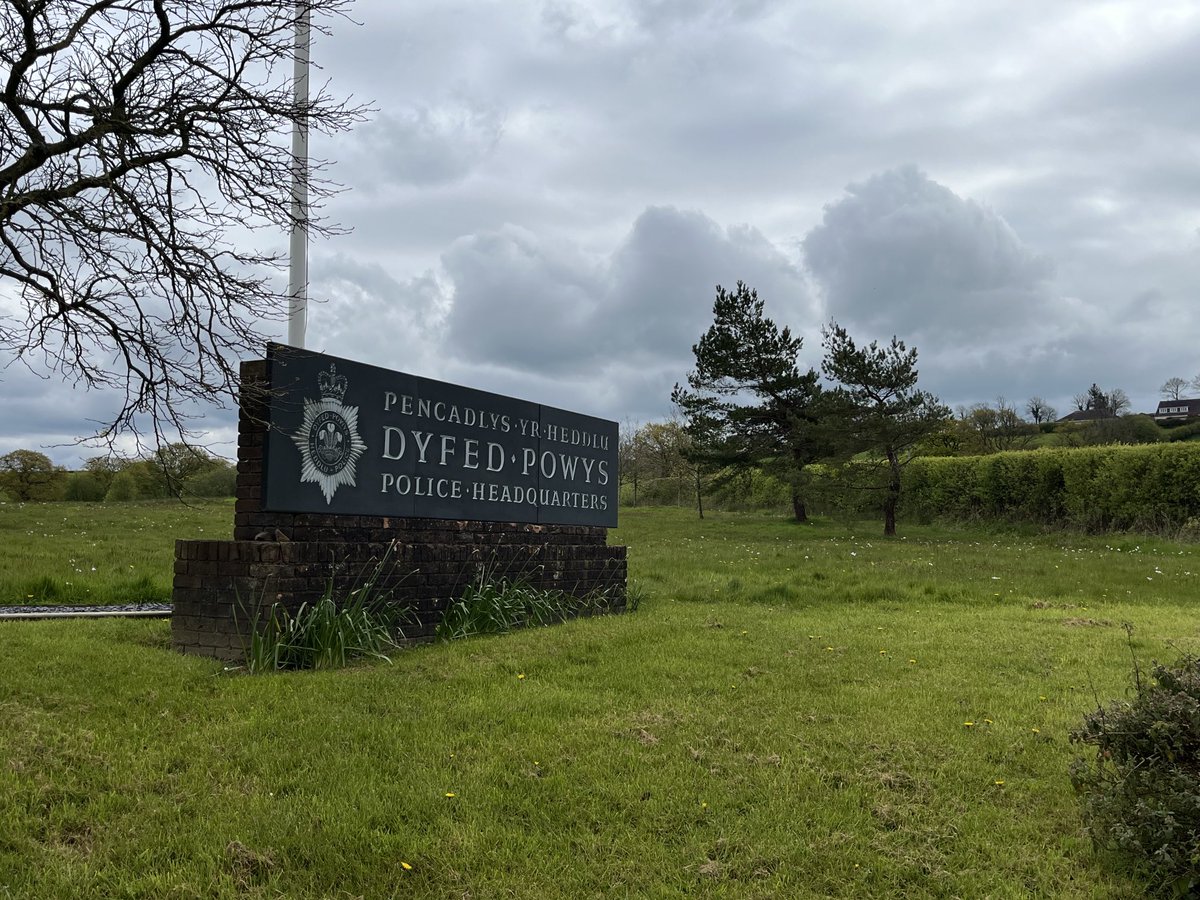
298,267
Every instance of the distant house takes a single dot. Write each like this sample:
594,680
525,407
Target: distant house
1176,409
1087,415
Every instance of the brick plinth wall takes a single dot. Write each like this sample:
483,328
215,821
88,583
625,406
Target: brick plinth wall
289,558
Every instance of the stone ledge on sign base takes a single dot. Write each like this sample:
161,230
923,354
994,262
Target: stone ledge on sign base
290,559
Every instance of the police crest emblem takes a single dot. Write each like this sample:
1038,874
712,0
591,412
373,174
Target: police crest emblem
328,437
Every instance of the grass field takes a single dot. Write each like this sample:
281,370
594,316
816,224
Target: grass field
795,711
96,553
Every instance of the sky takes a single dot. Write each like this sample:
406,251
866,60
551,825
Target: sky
547,194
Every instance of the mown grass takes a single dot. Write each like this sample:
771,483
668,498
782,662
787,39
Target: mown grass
97,553
784,717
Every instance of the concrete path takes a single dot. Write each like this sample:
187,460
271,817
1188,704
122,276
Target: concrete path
144,610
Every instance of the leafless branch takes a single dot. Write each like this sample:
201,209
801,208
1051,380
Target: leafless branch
143,148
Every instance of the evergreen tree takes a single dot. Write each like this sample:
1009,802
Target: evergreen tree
747,402
879,407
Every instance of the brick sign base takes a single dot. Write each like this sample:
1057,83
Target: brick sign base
290,558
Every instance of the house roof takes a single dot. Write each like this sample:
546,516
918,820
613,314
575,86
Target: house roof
1170,408
1086,415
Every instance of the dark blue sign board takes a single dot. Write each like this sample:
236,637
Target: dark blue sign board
351,439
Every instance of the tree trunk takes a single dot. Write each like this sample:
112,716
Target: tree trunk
798,509
699,495
892,498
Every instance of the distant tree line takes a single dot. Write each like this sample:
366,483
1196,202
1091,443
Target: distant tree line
173,470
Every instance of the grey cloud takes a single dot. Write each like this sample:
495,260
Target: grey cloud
423,144
1160,85
363,312
43,413
520,303
492,197
901,253
664,278
536,316
529,304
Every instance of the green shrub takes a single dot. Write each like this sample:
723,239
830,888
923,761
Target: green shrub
1184,432
1153,487
123,488
671,490
1141,793
848,492
84,486
218,481
744,487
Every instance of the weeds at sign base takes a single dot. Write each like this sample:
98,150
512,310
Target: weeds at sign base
326,634
495,606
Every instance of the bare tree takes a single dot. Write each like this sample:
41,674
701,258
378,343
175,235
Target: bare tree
142,145
631,452
1118,402
1172,388
993,430
1040,411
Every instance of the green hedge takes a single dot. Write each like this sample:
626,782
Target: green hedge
1114,488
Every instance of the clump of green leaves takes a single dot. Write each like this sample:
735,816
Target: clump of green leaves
1141,793
635,593
495,605
330,632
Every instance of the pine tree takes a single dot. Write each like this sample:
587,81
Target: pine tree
881,410
749,403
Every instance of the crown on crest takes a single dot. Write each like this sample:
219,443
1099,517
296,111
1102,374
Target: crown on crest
333,386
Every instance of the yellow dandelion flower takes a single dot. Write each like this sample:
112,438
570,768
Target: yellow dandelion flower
521,676
989,722
405,866
882,652
450,794
913,661
968,724
1036,730
999,782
